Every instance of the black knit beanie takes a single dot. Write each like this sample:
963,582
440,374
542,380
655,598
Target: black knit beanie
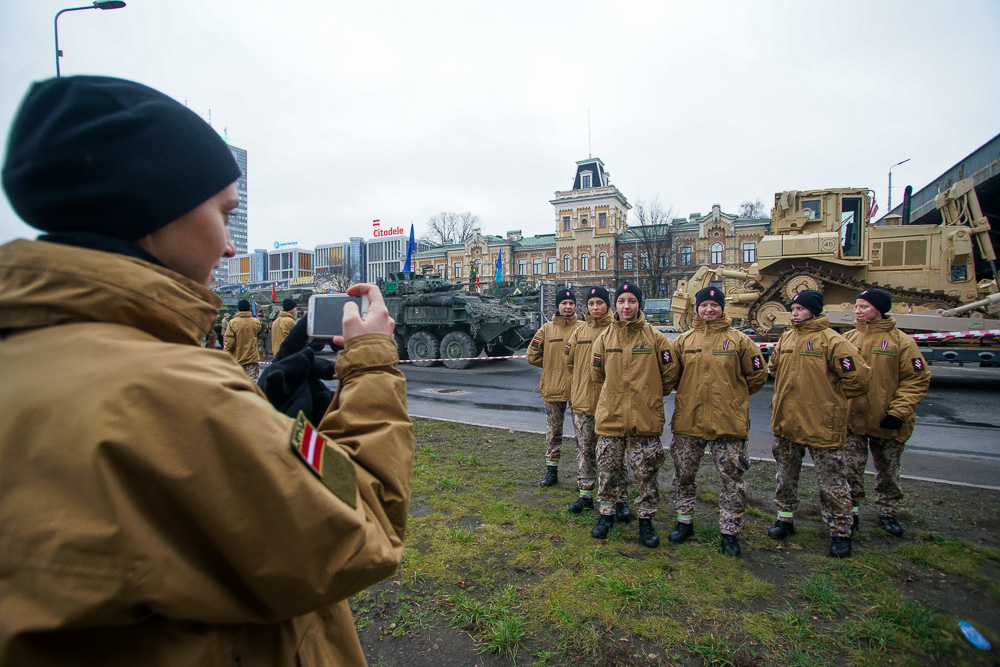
243,305
562,295
110,157
632,288
878,298
710,294
810,299
288,304
600,293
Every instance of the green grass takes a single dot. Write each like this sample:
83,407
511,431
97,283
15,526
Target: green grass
492,555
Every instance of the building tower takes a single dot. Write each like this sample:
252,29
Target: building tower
238,218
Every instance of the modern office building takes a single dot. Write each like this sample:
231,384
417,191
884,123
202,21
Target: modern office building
238,218
343,259
248,267
290,263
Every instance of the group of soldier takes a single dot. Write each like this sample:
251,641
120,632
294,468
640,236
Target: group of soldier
837,396
247,340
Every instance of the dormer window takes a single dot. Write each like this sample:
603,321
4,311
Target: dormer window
586,178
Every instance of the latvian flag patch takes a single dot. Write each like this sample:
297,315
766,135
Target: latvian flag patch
332,467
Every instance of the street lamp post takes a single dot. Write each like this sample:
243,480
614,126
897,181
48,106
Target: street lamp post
98,4
890,183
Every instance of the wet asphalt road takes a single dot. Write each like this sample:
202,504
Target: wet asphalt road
957,436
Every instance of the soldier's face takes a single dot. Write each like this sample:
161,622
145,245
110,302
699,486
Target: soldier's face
597,307
709,310
800,313
627,306
567,307
865,312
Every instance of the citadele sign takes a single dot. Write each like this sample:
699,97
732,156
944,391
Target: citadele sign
391,231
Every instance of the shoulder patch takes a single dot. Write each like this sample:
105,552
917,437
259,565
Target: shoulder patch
758,363
666,357
918,364
846,363
332,467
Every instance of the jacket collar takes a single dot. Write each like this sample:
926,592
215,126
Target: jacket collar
885,324
812,324
599,322
564,320
720,324
631,325
47,284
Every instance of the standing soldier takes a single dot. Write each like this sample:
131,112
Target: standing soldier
635,367
816,370
241,339
882,419
547,351
225,324
719,369
283,324
584,395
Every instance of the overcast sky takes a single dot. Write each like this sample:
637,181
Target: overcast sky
399,110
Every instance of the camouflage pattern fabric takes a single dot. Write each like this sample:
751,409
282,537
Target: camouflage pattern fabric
586,459
645,456
731,461
253,370
886,453
831,473
555,415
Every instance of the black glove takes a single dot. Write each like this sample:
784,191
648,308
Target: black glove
293,381
890,422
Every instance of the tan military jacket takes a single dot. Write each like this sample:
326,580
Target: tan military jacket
154,510
547,350
283,323
636,368
241,338
900,379
719,369
584,392
815,371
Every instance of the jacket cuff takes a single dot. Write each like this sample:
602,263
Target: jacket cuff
367,352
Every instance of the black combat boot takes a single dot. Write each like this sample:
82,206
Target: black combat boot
603,526
551,476
855,522
681,532
731,546
890,525
781,529
647,533
580,504
840,547
622,513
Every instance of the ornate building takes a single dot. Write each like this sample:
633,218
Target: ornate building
713,240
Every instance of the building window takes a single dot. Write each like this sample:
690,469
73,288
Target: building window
585,262
686,256
602,220
583,222
566,223
457,269
627,261
522,267
602,261
716,255
585,180
664,259
644,260
567,264
552,265
440,268
749,253
536,267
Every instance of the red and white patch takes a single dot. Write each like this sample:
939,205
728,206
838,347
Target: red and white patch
536,340
666,357
758,363
847,363
597,357
918,364
308,444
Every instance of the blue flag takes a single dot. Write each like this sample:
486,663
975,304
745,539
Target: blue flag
499,276
253,302
409,250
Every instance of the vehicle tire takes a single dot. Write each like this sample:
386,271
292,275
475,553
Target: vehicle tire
457,345
421,348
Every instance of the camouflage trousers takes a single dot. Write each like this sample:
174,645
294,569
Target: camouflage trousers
831,473
645,456
253,370
586,459
885,455
555,415
731,460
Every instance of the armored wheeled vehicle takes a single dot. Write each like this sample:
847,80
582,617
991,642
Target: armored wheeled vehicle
436,319
825,240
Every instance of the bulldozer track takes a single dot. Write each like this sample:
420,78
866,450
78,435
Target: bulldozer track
827,277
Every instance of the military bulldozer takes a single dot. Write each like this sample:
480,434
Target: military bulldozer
826,240
436,319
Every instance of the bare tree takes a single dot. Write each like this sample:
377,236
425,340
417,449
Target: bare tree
451,227
754,209
648,245
340,277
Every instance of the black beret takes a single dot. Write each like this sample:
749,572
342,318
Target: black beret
243,305
710,294
881,299
563,295
110,157
600,293
288,304
631,288
810,299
